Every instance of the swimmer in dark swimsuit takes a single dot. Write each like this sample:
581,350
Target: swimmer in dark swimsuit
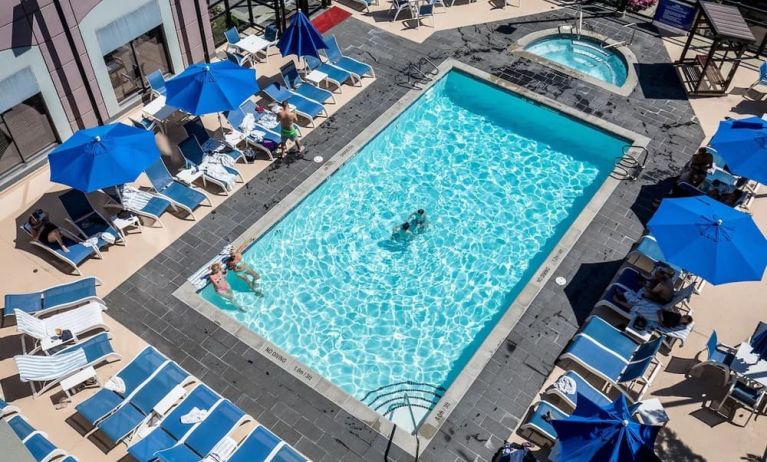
45,231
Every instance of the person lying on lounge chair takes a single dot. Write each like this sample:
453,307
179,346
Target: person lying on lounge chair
45,231
241,269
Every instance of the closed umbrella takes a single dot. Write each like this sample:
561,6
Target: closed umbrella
301,38
742,143
211,87
605,434
710,239
103,156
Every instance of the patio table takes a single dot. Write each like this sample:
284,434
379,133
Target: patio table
749,365
13,448
159,111
252,44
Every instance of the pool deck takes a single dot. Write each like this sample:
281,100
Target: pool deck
499,398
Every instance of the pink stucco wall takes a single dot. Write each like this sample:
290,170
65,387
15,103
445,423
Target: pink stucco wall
36,22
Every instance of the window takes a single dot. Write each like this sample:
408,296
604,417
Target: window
129,64
25,131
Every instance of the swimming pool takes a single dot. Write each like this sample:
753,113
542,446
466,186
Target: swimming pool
584,55
500,177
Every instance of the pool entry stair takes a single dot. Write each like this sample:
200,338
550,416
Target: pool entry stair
417,74
631,164
404,403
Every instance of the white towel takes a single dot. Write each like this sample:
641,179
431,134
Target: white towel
134,199
92,242
193,416
222,451
200,278
566,385
268,120
107,237
257,135
116,384
248,123
217,171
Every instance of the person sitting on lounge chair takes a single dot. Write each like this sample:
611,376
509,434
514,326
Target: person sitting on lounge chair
702,161
45,231
660,287
241,269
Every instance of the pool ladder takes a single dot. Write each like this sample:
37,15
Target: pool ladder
631,164
624,42
418,74
408,394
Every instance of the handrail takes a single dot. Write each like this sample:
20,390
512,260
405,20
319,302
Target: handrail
388,398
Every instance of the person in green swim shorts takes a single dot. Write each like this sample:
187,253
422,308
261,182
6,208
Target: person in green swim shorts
287,131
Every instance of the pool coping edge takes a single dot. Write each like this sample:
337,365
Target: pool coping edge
433,421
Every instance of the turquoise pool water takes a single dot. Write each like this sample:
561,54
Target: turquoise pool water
583,55
500,179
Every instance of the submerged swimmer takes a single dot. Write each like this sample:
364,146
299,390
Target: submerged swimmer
402,233
417,220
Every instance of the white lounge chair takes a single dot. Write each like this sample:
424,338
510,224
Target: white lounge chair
48,371
77,321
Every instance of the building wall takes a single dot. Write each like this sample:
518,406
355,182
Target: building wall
35,23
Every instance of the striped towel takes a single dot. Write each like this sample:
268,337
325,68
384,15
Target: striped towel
134,199
200,278
41,368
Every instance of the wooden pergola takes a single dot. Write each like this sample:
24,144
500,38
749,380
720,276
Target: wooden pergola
703,75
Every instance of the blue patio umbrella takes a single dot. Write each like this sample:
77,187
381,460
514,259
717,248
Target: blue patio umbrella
710,239
301,38
759,344
103,156
605,434
742,143
211,87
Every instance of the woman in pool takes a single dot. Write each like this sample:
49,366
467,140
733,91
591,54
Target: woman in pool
218,279
241,269
45,231
417,220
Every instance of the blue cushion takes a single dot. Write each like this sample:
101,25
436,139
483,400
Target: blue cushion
39,446
20,426
589,353
288,454
258,444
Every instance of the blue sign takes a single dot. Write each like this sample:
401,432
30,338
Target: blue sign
675,13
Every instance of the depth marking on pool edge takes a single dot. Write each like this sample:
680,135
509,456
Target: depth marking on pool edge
547,268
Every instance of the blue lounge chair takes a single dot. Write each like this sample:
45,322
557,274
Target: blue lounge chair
336,57
582,388
232,36
288,454
681,298
53,298
153,209
237,58
88,222
7,409
78,251
611,366
156,82
236,118
296,84
144,123
306,108
179,194
602,332
537,427
133,375
762,80
195,128
194,156
256,447
219,424
718,355
139,407
171,430
48,371
20,426
649,247
336,75
41,448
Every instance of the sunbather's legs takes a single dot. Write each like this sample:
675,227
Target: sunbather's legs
54,237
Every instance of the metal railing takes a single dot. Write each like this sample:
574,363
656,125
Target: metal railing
408,394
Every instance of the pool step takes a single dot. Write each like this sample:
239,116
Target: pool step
404,403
